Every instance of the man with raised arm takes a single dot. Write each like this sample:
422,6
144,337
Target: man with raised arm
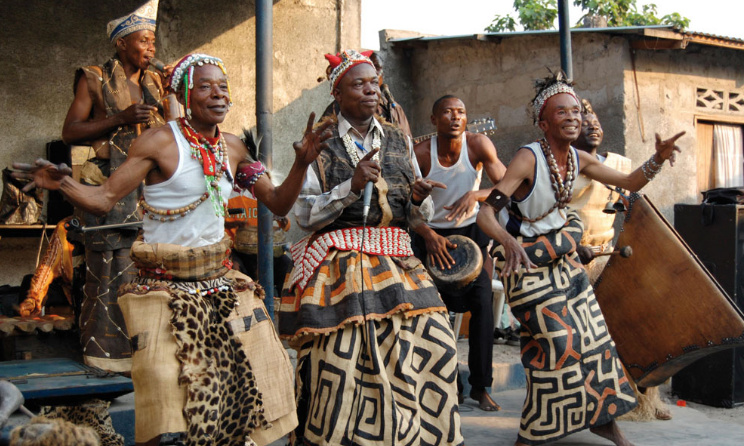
457,158
376,361
206,361
574,376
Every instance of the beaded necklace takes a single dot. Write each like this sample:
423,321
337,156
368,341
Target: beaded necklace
210,152
354,153
563,191
211,155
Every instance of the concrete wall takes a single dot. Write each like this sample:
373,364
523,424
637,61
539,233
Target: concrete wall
43,42
668,82
496,78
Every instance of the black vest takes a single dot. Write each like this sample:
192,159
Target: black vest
334,166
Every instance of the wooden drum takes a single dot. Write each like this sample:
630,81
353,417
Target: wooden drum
467,267
663,308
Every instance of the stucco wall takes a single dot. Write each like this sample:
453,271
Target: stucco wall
667,82
496,78
43,42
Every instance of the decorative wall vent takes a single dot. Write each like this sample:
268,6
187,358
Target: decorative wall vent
720,100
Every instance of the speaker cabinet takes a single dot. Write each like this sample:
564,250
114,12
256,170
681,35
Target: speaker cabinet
716,234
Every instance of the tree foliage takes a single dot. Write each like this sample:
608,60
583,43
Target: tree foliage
541,14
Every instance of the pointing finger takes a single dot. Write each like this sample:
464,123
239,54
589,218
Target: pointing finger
676,137
369,155
436,184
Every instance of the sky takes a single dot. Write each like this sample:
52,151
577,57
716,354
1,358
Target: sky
438,17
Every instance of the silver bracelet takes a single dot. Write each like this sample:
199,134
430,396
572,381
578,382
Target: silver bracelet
655,167
648,172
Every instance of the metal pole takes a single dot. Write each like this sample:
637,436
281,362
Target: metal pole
264,121
564,29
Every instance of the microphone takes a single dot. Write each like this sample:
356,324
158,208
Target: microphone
367,200
157,64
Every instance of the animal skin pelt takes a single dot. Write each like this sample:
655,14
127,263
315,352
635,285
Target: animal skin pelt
42,431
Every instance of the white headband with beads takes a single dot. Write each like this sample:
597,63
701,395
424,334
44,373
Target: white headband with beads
189,61
539,103
185,69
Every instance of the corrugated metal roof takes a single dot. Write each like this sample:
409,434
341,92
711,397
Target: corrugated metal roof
655,31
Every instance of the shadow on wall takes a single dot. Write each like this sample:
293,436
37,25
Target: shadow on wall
293,119
187,24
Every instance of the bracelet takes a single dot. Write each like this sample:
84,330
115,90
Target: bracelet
247,175
654,165
648,171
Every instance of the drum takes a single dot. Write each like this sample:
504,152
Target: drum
467,267
242,218
663,308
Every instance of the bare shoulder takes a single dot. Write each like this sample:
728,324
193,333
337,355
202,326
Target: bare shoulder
422,149
524,157
152,140
479,141
481,146
236,149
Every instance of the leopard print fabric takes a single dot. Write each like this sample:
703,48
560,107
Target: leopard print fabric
93,413
223,405
42,431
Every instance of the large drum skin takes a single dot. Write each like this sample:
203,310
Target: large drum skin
664,310
468,264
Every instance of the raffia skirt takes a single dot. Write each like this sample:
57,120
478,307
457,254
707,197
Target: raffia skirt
171,392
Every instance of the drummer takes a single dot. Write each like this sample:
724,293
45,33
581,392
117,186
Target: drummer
457,158
574,376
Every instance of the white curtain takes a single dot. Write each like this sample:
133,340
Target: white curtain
728,156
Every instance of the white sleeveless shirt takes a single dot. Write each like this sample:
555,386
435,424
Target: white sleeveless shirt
460,178
539,199
200,227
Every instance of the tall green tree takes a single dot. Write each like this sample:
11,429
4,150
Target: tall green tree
541,14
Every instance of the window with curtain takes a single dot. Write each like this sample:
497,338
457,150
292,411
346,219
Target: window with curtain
720,155
728,156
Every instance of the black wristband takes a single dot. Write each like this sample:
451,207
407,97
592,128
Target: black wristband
497,199
417,203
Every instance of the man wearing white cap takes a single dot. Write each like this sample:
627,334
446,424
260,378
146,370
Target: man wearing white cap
113,104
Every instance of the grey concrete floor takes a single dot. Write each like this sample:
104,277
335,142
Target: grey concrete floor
693,425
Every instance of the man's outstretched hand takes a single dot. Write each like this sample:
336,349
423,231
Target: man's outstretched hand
313,141
42,173
422,188
665,148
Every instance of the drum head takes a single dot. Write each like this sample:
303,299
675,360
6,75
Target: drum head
467,267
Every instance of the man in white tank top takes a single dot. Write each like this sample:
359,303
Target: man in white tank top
567,352
456,158
189,168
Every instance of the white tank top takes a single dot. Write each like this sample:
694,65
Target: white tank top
539,199
199,227
460,178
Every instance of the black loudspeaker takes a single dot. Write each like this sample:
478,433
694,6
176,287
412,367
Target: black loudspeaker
716,234
57,207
